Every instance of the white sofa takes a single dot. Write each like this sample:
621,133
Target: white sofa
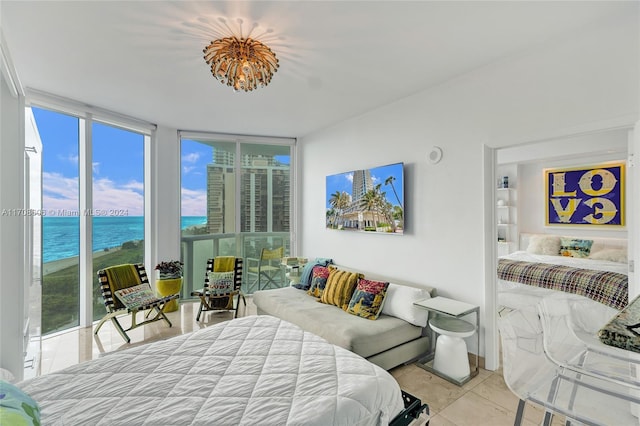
388,341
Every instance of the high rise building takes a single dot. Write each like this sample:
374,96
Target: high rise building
264,195
362,183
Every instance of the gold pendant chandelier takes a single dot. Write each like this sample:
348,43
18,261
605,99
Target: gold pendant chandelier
242,63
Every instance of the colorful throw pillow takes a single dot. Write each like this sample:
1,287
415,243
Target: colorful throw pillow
340,286
368,298
573,247
135,296
319,277
221,282
16,407
307,271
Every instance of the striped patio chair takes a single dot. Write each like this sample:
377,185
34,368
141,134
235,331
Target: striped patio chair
126,290
222,281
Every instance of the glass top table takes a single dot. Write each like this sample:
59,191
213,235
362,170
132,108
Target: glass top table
449,313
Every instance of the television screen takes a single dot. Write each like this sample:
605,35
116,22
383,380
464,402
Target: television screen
370,200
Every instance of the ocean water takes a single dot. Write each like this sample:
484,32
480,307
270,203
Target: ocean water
61,235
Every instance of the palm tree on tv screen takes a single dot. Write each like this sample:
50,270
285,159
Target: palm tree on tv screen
339,201
389,181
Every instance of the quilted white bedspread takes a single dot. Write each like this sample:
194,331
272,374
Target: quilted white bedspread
257,370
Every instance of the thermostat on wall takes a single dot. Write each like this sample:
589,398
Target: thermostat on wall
435,155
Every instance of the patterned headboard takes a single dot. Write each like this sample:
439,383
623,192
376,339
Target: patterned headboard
599,243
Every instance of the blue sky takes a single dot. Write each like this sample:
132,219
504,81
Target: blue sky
118,167
118,164
344,181
195,157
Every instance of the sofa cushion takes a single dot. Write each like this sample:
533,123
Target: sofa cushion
319,277
340,286
399,303
359,335
368,298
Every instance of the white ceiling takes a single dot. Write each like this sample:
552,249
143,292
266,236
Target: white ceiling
337,59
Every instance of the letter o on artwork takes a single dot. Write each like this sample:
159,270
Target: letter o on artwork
435,155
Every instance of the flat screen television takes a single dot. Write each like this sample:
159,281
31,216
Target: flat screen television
370,200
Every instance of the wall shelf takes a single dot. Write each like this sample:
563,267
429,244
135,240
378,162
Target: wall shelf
506,214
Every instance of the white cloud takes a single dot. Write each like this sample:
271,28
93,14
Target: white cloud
192,157
135,186
61,193
70,158
349,177
194,202
109,196
96,167
187,169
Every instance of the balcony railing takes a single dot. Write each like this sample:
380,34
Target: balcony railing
196,249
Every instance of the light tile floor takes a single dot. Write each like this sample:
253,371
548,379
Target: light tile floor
485,400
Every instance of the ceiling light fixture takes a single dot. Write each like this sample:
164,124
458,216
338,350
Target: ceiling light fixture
242,63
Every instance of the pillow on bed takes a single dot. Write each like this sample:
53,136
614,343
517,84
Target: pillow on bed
399,304
368,298
221,282
340,286
319,277
544,244
16,407
574,247
613,255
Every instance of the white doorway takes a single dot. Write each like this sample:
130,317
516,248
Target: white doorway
523,164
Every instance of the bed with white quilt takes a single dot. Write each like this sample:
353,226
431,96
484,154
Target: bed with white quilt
257,370
591,268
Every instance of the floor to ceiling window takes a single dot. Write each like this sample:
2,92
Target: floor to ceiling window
114,205
60,223
118,201
236,198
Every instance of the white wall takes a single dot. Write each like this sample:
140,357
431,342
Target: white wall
12,308
162,198
576,84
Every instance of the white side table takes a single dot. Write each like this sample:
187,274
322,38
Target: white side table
292,273
452,311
